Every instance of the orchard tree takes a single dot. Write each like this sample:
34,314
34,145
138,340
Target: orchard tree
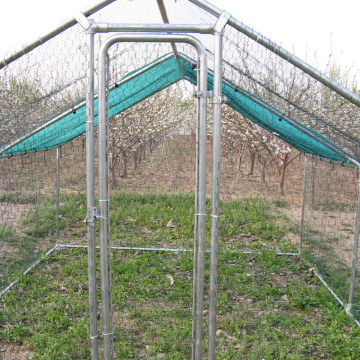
19,110
137,129
29,99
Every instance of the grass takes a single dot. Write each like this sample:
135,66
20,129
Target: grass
18,253
20,197
143,220
36,234
269,306
321,249
331,205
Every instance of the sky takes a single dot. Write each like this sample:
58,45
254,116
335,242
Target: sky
307,28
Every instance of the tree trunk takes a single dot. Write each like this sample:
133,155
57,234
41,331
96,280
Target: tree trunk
263,169
113,161
140,155
135,159
113,175
124,156
72,152
209,143
252,162
282,176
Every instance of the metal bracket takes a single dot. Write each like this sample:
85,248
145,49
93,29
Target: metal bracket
202,94
92,213
82,20
348,309
218,100
221,21
210,96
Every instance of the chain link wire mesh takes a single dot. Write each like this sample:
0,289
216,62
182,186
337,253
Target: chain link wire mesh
330,224
25,190
152,167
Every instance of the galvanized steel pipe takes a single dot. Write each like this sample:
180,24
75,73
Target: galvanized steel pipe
62,27
179,28
215,207
90,196
303,206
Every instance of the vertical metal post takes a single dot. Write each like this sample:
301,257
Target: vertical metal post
355,251
201,208
108,203
103,208
217,100
90,191
57,193
303,206
195,223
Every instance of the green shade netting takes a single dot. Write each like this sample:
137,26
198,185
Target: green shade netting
271,122
120,98
157,78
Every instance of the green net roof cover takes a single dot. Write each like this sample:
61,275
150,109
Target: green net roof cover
156,78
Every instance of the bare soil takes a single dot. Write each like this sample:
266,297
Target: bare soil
11,213
15,352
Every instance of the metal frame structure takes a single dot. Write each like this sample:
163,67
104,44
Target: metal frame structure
102,213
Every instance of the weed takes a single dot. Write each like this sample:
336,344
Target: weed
281,203
331,205
20,197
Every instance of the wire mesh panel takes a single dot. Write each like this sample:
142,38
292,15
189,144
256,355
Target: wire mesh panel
28,188
52,78
262,176
330,223
290,90
72,196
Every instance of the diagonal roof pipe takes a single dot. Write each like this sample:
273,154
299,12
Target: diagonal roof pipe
165,18
62,27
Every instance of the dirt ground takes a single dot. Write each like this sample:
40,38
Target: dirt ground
15,352
11,214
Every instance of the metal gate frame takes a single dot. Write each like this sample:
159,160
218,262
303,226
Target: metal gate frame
102,211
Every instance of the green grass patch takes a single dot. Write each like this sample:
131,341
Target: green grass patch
269,306
331,206
20,197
